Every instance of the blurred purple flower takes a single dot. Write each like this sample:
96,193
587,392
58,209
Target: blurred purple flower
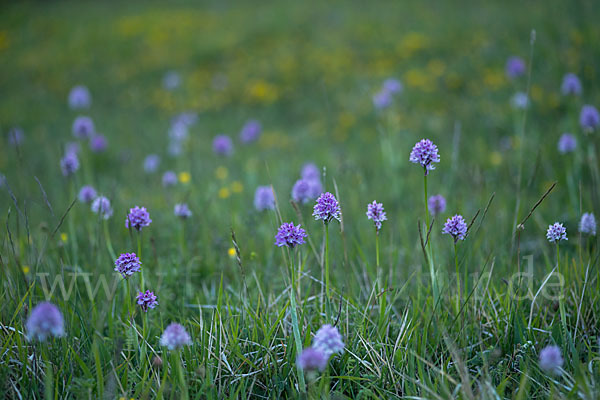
83,127
426,154
556,232
312,359
328,340
456,227
87,194
16,137
250,131
264,198
571,85
171,80
175,336
436,204
382,99
303,191
44,321
182,211
98,143
101,206
588,224
137,218
151,163
567,143
376,213
222,145
515,67
589,118
326,208
551,360
519,101
178,131
392,86
147,300
290,235
127,264
169,178
69,164
79,98
310,172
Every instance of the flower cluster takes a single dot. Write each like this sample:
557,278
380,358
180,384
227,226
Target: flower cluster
589,118
376,213
83,127
571,85
426,154
101,206
456,227
151,163
588,224
175,336
87,194
264,198
169,178
327,208
137,218
147,300
556,232
69,164
309,186
290,235
79,98
98,143
250,131
44,321
327,341
551,360
436,204
182,211
222,145
515,67
567,143
127,264
383,98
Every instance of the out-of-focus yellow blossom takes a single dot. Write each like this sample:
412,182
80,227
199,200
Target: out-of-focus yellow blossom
185,177
237,187
224,193
231,252
411,43
221,172
64,237
25,269
418,79
495,158
261,91
537,93
493,79
4,42
436,67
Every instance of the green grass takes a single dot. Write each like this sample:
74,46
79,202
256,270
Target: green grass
307,71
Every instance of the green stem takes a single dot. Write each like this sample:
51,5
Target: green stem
49,375
72,239
327,260
379,283
561,299
295,326
139,254
107,240
179,366
459,300
428,249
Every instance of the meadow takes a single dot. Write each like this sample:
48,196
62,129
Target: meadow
164,146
